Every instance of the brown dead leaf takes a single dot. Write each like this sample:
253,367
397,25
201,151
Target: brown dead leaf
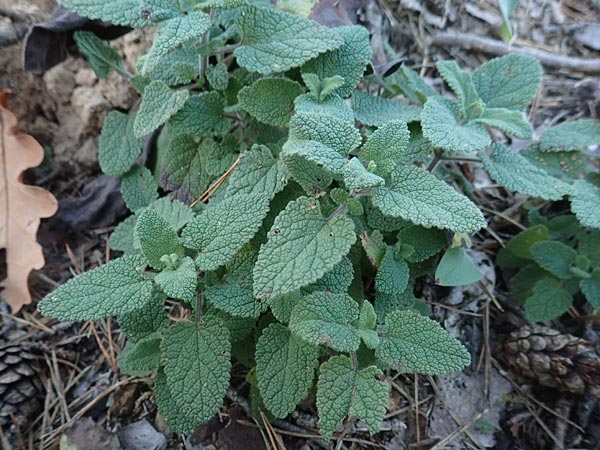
21,208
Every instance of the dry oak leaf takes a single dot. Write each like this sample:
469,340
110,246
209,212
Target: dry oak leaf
21,208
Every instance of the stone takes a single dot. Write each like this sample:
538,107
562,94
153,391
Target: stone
142,436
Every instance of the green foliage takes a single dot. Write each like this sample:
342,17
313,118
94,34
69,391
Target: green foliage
554,267
313,217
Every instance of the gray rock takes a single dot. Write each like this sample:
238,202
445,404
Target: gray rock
142,436
589,35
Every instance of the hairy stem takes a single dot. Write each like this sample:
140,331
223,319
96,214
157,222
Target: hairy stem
438,155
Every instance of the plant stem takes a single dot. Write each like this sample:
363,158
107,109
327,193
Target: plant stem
354,360
451,158
438,155
198,309
338,212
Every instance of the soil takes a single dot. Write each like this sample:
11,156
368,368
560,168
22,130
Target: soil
487,406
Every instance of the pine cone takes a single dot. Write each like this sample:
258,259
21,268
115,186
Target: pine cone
21,390
560,361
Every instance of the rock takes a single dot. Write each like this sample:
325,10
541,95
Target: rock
90,106
86,77
85,434
119,92
60,83
142,436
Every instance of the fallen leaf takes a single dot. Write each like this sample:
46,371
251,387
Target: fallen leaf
21,208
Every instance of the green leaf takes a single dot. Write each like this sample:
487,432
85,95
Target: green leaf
159,103
285,366
274,41
506,8
590,287
333,105
315,152
456,268
548,300
201,115
139,188
322,89
173,33
118,12
283,305
197,371
218,4
258,172
118,148
270,100
234,295
588,246
101,292
122,237
555,257
377,111
337,280
145,321
325,318
459,81
349,61
179,66
570,136
101,56
180,283
312,177
441,126
417,195
517,174
392,276
521,244
585,203
173,211
220,231
156,238
140,358
338,134
508,82
508,120
357,177
386,303
426,242
560,164
345,391
218,76
386,146
521,284
183,171
302,246
417,344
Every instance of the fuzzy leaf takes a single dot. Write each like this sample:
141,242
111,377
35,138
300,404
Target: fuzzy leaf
417,344
333,105
201,115
338,134
179,66
521,244
343,391
442,128
118,12
392,276
357,177
234,295
270,100
516,173
159,103
173,211
218,76
420,197
274,41
377,111
138,188
101,56
140,358
590,287
156,238
285,366
173,33
348,61
118,148
459,81
555,257
456,268
386,146
426,242
508,82
180,283
183,170
585,203
142,322
337,280
548,300
101,292
569,136
315,152
258,172
510,121
221,230
197,371
302,246
325,318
